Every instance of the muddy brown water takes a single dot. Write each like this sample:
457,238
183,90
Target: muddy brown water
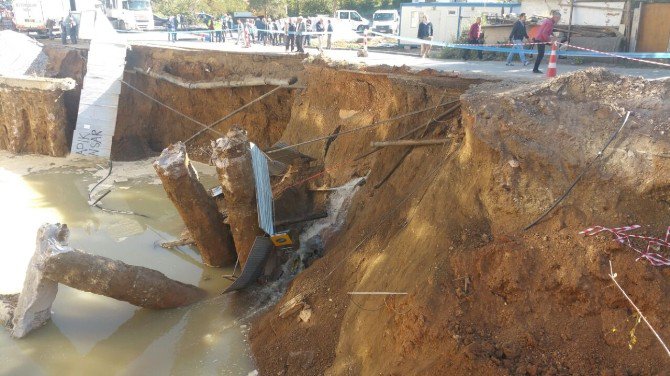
96,335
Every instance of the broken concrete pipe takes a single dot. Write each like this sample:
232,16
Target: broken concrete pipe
54,261
232,156
195,206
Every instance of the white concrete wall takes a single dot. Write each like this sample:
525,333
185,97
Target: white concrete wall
585,14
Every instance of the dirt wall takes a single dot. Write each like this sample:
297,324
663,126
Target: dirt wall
145,127
484,296
38,114
33,118
68,62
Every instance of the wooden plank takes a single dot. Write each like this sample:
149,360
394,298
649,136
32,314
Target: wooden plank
381,144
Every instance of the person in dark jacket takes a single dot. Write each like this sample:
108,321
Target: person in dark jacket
319,28
425,33
290,34
329,39
63,31
300,29
473,38
307,39
517,36
175,27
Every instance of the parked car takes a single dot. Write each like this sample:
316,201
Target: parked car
160,21
353,18
386,21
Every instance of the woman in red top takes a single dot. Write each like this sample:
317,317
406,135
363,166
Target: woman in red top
544,36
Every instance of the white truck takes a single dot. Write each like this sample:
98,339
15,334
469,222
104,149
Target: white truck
353,19
39,16
386,21
129,14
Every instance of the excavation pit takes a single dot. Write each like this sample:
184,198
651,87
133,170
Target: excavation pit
441,222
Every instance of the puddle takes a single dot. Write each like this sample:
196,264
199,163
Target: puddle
91,334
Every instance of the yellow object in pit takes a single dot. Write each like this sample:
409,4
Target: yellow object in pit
281,239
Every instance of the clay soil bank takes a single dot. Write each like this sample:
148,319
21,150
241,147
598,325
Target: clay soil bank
443,223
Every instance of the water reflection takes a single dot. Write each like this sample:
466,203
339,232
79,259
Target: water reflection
91,334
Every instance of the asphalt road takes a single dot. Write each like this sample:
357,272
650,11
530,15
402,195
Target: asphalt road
471,68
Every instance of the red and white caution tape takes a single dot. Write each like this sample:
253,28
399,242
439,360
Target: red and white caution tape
617,55
622,236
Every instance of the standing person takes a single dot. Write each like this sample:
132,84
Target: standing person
299,30
71,27
240,31
319,27
329,39
74,30
252,30
170,25
218,26
275,32
545,36
210,27
307,39
50,27
290,35
63,31
517,36
473,38
224,27
175,27
425,33
230,25
260,25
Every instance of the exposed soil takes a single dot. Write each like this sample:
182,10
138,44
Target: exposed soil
145,128
64,61
486,297
442,223
38,120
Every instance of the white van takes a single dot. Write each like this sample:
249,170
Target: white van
355,20
386,21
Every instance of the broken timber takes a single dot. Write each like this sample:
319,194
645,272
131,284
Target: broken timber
380,144
232,156
54,261
195,206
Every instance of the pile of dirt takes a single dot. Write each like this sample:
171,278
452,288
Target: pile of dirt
484,296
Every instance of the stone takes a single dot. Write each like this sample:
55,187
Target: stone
33,308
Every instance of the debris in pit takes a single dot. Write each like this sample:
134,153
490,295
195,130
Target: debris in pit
54,261
232,157
292,306
195,206
7,307
253,268
305,314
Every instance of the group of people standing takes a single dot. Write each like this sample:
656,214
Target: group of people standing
543,37
172,27
518,37
293,33
69,28
298,33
